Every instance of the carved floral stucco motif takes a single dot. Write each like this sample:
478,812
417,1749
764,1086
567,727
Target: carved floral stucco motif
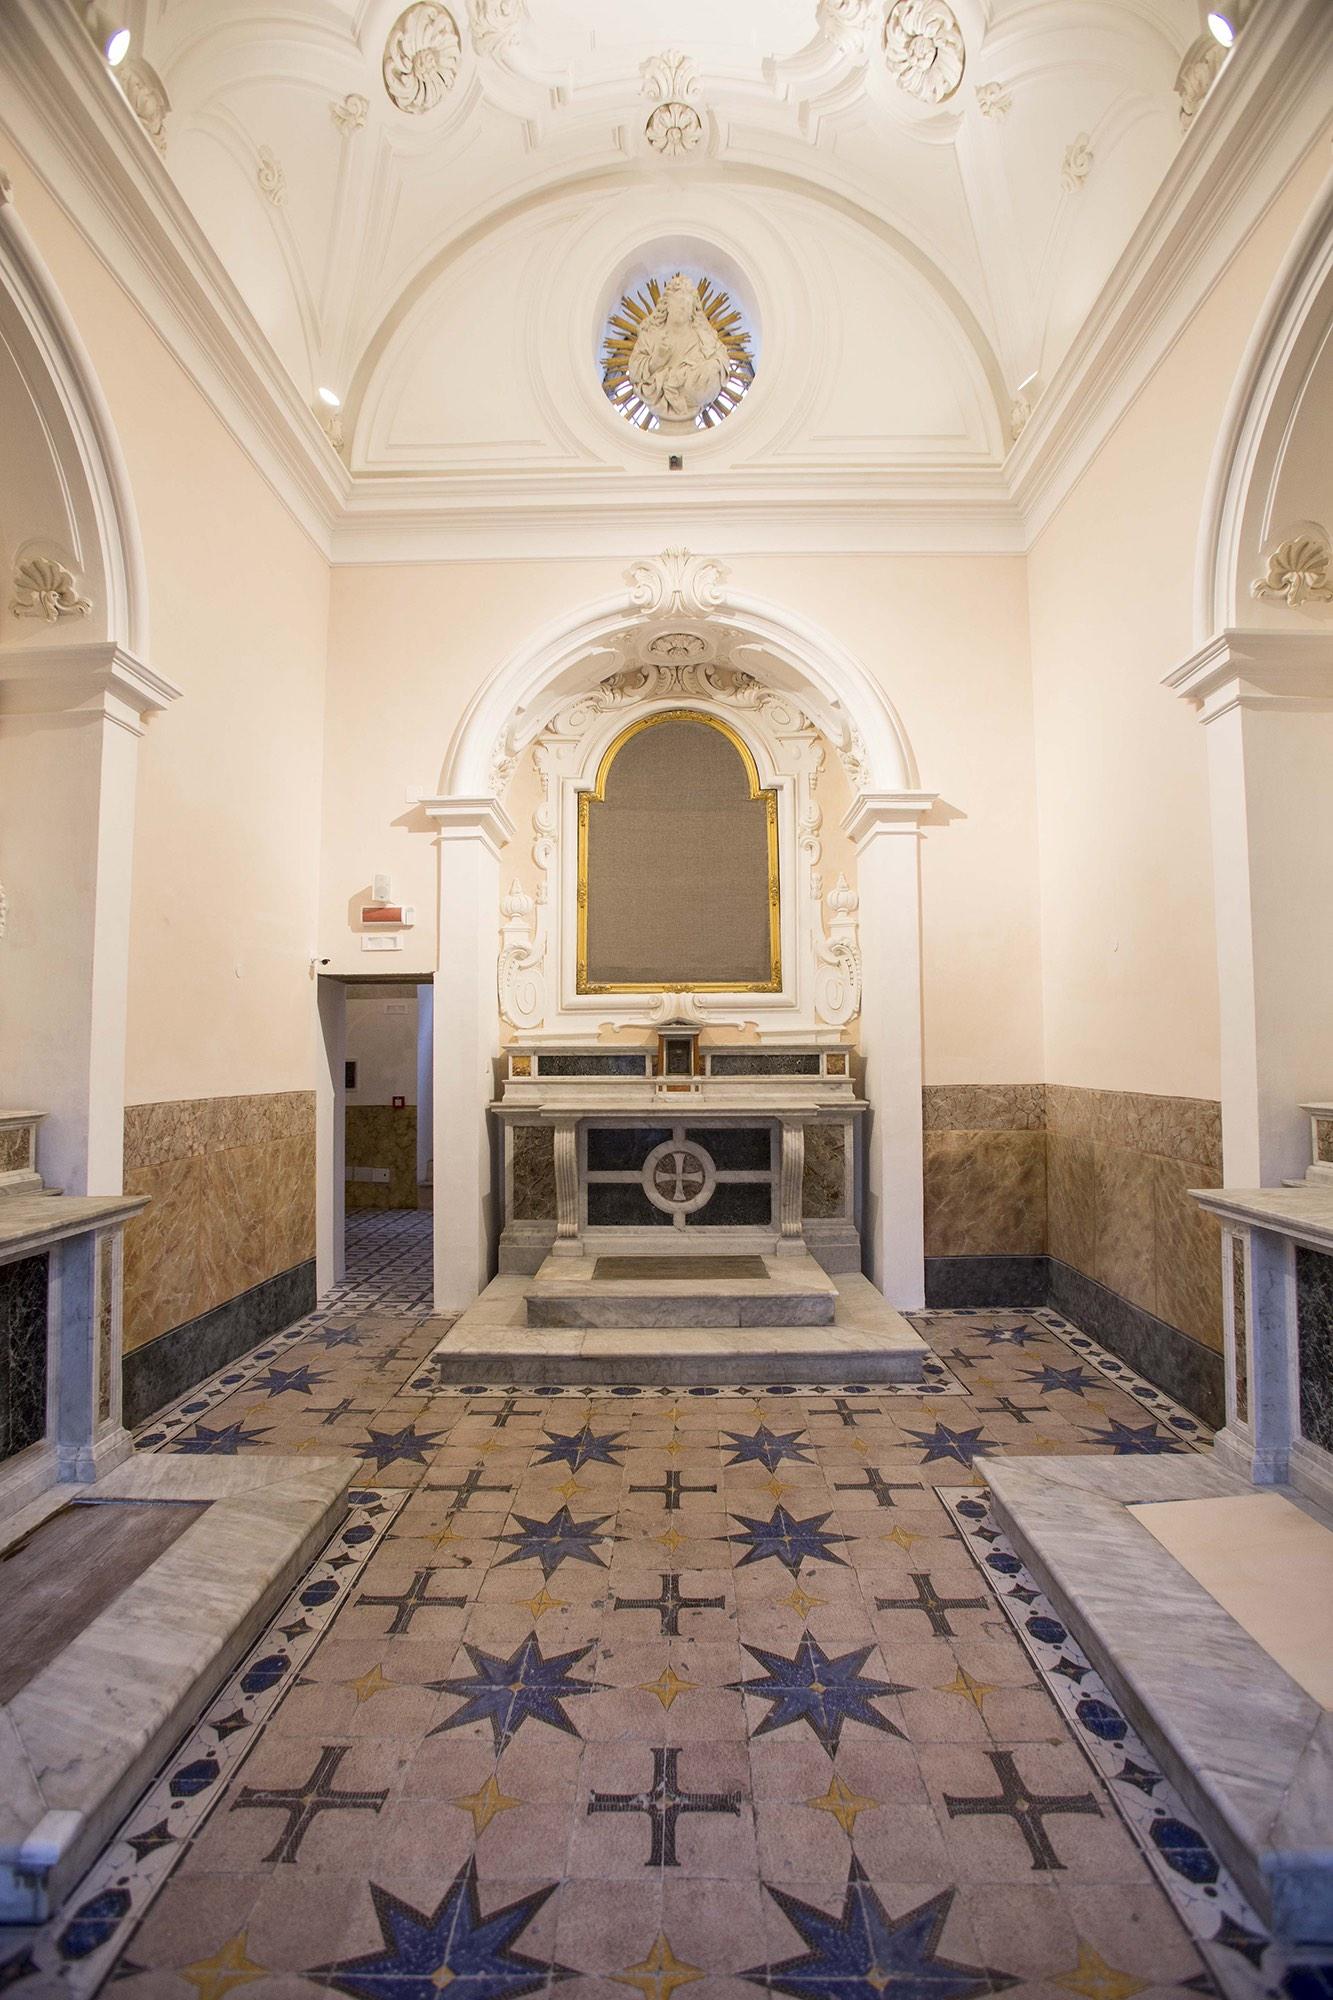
147,97
1076,164
993,100
349,113
494,24
1299,570
44,588
421,57
838,959
923,47
845,21
674,129
1194,79
272,180
521,982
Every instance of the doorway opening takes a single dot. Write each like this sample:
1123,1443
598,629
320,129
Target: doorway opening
377,1200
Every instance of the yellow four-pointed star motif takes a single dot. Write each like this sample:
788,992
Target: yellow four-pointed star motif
658,1975
667,1686
843,1803
1093,1979
963,1683
230,1966
485,1804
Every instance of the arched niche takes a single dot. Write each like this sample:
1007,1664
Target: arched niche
677,863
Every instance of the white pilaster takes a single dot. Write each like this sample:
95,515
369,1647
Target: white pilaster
886,830
472,833
70,720
1266,698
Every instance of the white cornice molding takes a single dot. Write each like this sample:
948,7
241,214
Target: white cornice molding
472,818
1267,108
1256,668
69,116
874,813
94,675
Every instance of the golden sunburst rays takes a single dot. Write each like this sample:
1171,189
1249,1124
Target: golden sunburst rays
622,331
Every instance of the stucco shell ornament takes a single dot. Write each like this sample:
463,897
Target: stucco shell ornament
421,57
923,47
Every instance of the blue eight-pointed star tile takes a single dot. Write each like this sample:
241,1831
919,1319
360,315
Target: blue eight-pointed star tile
787,1540
865,1954
768,1448
507,1693
557,1540
1124,1438
961,1446
819,1690
579,1448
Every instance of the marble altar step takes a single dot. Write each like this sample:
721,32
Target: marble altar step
866,1341
83,1734
1209,1622
717,1291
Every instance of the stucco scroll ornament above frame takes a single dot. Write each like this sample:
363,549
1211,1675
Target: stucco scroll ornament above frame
44,588
147,97
421,56
924,49
845,21
678,584
1196,75
838,959
1299,569
520,975
674,127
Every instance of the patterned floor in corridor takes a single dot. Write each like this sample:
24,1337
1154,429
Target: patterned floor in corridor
728,1690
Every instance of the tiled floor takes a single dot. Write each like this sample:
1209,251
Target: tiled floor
697,1689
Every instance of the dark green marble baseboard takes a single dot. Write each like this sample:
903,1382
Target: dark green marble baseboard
1183,1367
163,1369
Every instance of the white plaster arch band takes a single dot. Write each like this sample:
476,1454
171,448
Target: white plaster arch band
1295,320
575,653
58,374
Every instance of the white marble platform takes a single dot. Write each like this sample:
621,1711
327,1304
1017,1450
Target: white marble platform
868,1341
1248,1748
796,1292
81,1740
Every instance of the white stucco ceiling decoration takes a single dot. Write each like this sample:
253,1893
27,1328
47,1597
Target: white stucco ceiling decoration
676,355
923,47
421,57
894,166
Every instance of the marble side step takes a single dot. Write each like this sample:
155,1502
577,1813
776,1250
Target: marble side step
792,1292
493,1341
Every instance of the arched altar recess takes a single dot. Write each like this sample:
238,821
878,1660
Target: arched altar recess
74,689
682,638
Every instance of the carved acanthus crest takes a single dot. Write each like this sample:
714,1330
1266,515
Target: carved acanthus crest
271,177
845,21
1299,570
44,588
676,584
838,959
923,47
993,100
494,24
1076,164
421,57
520,980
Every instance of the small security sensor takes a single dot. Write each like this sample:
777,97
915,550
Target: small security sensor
676,462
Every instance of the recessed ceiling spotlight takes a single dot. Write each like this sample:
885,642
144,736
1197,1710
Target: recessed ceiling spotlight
329,399
1222,29
117,47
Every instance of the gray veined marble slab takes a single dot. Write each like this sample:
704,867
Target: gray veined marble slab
867,1341
81,1739
1248,1749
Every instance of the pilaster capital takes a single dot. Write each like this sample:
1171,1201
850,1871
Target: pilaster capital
95,677
1256,668
872,813
471,818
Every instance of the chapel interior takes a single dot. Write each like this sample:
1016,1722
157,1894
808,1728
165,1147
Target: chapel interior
666,999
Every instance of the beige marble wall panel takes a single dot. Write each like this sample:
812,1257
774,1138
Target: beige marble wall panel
1071,1199
162,1249
983,1107
823,1181
380,1135
232,1181
15,1141
1188,1251
1124,1251
985,1193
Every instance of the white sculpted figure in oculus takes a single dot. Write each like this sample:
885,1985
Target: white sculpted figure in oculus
678,363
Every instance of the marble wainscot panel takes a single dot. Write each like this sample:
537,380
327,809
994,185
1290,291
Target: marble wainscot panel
1132,1256
1248,1747
985,1194
80,1740
383,1137
208,1266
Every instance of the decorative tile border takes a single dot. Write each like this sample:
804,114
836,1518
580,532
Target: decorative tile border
1239,1952
72,1955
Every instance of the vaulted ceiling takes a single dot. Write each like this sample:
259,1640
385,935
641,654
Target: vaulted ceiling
431,211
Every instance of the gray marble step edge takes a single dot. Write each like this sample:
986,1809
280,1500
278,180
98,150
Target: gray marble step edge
1250,1752
658,1370
81,1741
612,1307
